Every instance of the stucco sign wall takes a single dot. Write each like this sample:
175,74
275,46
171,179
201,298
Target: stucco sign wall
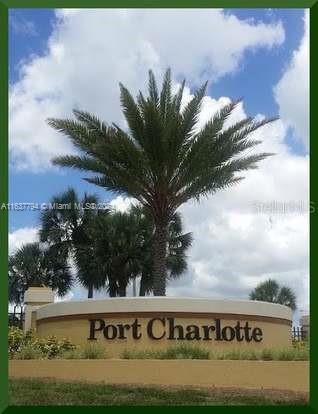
154,323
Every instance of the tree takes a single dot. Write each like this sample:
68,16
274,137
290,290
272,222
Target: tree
118,247
35,265
163,160
124,244
271,291
67,229
178,244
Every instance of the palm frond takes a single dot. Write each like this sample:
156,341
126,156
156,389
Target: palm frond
153,90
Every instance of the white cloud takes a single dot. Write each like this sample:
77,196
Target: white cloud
67,297
21,236
121,203
256,230
292,91
90,51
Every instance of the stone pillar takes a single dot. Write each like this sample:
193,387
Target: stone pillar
34,298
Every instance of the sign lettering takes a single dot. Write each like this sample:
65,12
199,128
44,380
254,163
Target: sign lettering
166,328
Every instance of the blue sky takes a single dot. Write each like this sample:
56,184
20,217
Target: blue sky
262,58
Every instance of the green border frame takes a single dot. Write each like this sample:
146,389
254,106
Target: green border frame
4,6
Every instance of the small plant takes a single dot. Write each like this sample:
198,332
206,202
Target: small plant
92,351
181,351
53,347
72,354
185,351
29,351
293,354
135,354
17,338
267,354
194,352
300,344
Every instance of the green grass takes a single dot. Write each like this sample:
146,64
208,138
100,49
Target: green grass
49,392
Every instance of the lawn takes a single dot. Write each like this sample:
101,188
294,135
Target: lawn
50,392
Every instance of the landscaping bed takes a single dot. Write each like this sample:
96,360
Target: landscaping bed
29,346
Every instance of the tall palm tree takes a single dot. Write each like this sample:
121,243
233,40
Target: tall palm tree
177,245
35,265
271,291
163,160
67,229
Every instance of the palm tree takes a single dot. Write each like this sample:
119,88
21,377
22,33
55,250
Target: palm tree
35,265
271,291
124,246
163,160
67,229
178,244
118,247
16,291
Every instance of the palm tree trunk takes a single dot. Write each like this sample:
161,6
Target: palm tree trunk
142,287
21,316
90,292
134,287
160,260
122,290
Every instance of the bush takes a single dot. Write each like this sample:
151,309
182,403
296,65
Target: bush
23,345
191,352
236,354
134,354
72,354
52,347
185,351
300,344
293,354
182,351
267,354
17,339
92,351
29,351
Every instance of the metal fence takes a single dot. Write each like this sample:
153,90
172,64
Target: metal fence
16,319
299,333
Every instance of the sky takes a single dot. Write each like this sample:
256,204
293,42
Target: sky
65,59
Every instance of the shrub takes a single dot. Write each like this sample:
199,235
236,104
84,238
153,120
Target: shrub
71,354
267,354
181,351
17,339
293,354
52,347
134,354
29,351
92,351
21,345
185,351
191,352
300,344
